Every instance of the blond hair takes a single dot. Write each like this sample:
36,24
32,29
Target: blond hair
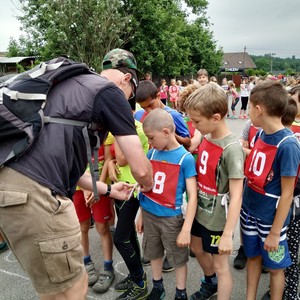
185,94
207,100
158,119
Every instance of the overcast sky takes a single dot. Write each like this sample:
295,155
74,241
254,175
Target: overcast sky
263,26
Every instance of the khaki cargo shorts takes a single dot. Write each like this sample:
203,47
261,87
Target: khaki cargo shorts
42,231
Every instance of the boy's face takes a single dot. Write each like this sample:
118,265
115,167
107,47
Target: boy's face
295,97
253,114
157,139
150,104
203,124
202,79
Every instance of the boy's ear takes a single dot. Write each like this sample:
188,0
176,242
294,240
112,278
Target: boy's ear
166,131
158,95
217,117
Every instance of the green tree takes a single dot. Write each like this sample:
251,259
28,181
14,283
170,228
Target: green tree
82,29
14,49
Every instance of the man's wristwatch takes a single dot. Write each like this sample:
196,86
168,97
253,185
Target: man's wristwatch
108,190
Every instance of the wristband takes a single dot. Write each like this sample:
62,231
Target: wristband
108,190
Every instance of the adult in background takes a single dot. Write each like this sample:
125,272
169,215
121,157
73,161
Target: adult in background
37,216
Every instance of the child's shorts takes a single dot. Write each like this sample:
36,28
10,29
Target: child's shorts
160,233
102,210
210,239
254,233
43,232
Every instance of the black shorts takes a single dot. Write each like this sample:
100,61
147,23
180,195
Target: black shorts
210,239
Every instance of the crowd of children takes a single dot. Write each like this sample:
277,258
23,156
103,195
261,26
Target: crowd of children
253,181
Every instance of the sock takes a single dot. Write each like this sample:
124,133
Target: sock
137,277
211,279
108,265
158,284
180,293
87,259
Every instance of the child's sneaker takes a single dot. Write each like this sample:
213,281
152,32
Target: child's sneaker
240,260
134,292
166,266
156,294
3,247
183,296
124,284
206,291
92,274
145,262
104,282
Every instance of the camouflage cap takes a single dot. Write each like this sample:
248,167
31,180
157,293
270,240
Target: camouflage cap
120,58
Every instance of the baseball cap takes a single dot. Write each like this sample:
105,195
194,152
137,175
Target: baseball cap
119,59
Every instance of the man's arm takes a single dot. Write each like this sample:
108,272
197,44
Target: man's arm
139,164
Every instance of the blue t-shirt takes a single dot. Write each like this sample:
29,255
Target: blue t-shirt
286,163
187,170
180,126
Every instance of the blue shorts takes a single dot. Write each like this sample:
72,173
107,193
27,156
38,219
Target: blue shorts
254,233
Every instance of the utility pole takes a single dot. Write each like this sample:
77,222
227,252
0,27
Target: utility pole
244,61
271,58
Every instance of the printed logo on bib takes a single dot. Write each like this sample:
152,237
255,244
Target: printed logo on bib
277,256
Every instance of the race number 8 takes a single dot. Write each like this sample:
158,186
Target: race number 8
159,180
203,161
259,158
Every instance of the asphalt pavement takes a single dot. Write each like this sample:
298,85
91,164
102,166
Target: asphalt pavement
15,285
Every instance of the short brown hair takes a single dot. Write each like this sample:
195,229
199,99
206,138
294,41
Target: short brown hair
208,100
295,90
202,72
272,96
147,89
290,113
185,94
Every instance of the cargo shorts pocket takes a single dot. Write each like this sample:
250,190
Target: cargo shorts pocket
11,198
62,257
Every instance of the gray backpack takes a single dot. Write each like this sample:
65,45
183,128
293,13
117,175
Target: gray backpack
22,102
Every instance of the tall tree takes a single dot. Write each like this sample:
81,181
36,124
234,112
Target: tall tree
82,29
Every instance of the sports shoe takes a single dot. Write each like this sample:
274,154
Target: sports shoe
134,292
124,284
191,253
264,270
156,294
92,274
181,297
266,296
104,281
3,247
240,260
167,267
206,291
145,262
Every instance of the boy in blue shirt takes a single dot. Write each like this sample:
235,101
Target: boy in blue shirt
271,170
164,227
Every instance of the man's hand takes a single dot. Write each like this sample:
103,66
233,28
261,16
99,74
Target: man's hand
120,190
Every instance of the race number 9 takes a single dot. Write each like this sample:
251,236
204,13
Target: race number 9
203,162
258,163
159,181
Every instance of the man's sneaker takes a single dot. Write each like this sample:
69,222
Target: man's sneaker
124,284
145,262
156,294
134,292
92,274
240,260
167,267
3,247
266,296
104,282
206,291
